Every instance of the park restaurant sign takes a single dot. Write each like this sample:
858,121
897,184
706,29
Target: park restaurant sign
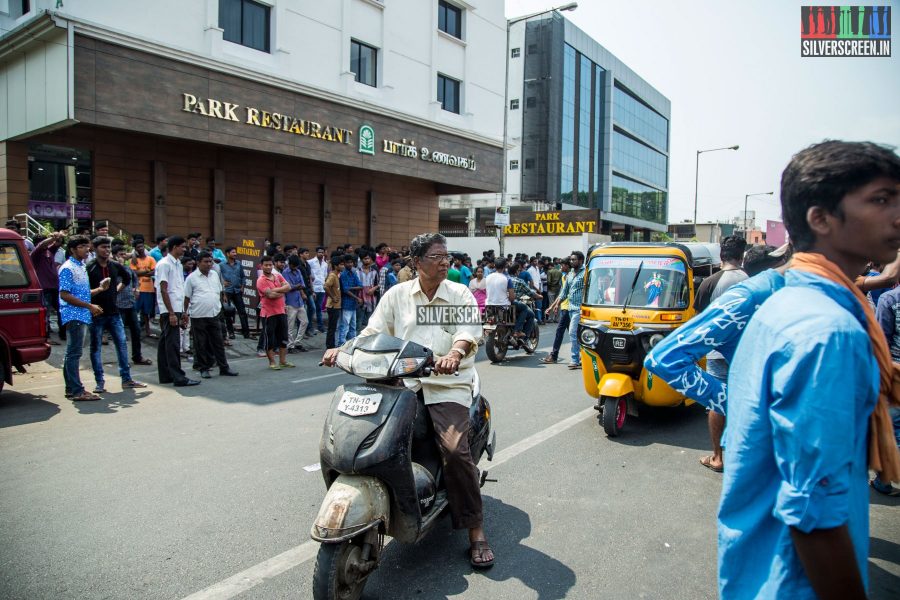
559,222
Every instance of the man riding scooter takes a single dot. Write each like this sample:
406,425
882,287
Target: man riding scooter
447,396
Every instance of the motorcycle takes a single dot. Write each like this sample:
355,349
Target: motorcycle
499,325
381,462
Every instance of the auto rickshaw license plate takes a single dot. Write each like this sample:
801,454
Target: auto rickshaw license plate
625,323
356,406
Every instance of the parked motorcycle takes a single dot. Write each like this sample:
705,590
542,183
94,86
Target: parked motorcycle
499,325
381,462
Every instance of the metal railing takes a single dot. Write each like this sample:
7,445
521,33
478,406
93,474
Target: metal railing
30,228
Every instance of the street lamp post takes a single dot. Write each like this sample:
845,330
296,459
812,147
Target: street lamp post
509,24
697,178
746,228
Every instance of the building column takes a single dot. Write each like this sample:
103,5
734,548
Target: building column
373,219
629,231
277,203
160,222
472,221
325,200
219,205
646,235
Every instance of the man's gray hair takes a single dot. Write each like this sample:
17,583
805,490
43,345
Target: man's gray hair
423,242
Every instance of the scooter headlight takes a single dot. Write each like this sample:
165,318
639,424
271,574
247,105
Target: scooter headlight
372,366
405,366
588,337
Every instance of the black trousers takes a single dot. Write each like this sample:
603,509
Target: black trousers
334,319
238,301
209,349
130,320
451,428
168,356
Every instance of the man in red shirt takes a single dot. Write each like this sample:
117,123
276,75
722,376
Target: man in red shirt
272,287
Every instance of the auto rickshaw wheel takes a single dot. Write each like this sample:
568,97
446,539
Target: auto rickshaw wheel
614,413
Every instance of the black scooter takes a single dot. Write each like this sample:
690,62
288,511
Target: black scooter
381,463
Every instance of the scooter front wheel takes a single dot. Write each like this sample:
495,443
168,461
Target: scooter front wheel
338,574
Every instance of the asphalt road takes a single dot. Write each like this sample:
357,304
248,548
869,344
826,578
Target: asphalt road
168,492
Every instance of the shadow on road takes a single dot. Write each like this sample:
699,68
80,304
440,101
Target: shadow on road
19,408
682,427
438,567
879,498
111,402
882,583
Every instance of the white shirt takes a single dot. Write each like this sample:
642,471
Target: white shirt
496,285
535,278
319,271
204,292
170,271
396,315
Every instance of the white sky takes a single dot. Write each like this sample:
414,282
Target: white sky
734,75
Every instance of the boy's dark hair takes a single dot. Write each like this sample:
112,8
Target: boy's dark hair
202,255
380,246
175,240
265,259
320,248
513,268
278,257
578,253
77,240
348,258
289,247
822,174
186,259
294,260
229,249
161,237
757,259
101,240
336,260
732,248
301,250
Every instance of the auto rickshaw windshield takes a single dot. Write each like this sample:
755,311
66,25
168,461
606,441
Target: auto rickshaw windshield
661,282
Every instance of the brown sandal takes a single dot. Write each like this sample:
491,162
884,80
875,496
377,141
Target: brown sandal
477,550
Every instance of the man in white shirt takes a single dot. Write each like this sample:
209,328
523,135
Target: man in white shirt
203,294
319,269
170,301
498,286
447,397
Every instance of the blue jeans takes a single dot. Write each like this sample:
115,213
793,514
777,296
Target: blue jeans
320,299
75,331
575,318
347,329
113,324
539,309
561,330
524,318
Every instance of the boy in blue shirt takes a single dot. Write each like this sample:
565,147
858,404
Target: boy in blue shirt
794,513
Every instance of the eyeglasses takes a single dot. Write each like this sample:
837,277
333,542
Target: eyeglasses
438,258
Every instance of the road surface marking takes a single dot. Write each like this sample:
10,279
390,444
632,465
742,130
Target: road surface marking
318,377
257,574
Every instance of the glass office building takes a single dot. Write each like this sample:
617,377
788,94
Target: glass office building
594,134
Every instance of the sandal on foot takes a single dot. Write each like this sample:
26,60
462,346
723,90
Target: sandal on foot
574,367
287,365
549,360
85,396
477,552
143,361
99,389
706,461
275,367
132,385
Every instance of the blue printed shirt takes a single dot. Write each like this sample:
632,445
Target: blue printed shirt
719,327
73,278
795,445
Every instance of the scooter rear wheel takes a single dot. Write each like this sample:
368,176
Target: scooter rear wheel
614,413
334,577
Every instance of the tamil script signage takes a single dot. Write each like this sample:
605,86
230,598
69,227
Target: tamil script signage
559,222
294,125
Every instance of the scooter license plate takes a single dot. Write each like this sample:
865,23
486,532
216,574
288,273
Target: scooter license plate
356,405
622,323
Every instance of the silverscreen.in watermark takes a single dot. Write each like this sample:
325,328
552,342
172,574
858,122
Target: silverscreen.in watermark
448,314
845,31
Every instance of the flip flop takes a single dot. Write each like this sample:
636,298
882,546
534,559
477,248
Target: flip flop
477,550
706,461
547,360
85,396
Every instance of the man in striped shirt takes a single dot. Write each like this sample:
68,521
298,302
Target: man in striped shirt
573,291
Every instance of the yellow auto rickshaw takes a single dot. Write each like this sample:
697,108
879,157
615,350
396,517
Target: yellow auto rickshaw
634,295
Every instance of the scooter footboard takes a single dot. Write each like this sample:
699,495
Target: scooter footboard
353,504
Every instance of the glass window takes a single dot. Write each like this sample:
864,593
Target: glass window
530,102
642,281
633,199
450,19
448,93
598,128
584,130
514,104
634,158
513,165
567,153
12,273
640,119
529,163
245,22
515,53
363,63
53,172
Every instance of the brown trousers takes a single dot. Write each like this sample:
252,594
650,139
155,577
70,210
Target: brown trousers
451,428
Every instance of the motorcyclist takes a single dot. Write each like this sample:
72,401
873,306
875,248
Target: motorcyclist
525,318
447,397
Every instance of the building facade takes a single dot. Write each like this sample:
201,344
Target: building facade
313,122
584,132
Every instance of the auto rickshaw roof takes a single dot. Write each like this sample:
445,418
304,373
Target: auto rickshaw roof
697,254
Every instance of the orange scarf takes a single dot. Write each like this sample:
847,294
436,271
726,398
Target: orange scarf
884,458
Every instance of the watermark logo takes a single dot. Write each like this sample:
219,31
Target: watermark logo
845,31
366,140
448,314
